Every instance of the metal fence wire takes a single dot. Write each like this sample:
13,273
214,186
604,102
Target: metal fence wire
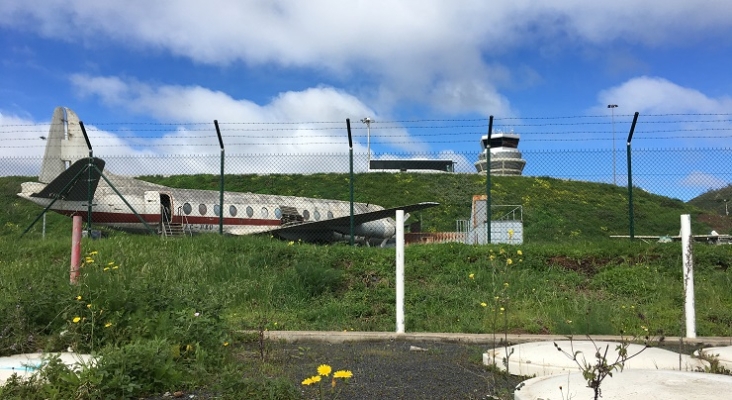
292,179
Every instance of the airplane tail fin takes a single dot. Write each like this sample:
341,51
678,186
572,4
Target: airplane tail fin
65,144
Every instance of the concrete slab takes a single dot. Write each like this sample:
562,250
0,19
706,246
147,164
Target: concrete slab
542,358
723,354
27,364
633,384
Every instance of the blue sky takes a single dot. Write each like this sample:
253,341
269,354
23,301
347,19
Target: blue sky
326,60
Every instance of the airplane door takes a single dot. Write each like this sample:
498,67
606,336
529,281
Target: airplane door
166,207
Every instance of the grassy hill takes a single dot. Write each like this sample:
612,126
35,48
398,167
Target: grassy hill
553,210
175,309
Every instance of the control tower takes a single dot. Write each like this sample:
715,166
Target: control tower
505,156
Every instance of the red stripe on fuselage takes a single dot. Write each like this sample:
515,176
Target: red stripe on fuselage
129,218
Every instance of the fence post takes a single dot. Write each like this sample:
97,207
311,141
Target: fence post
400,271
630,179
221,186
90,195
688,264
75,249
350,158
488,199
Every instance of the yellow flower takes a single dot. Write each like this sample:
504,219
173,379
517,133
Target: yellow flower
324,369
106,269
88,305
483,305
503,309
509,261
471,276
345,374
108,324
110,263
492,257
93,253
290,243
115,267
519,253
226,344
76,320
311,380
89,260
505,284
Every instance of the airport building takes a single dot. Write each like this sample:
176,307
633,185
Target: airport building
506,159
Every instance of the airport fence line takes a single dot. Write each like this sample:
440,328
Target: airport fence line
684,159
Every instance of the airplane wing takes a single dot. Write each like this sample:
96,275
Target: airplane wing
64,187
343,224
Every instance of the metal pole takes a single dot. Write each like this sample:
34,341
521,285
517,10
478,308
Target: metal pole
221,186
688,264
630,179
400,271
350,157
488,215
367,121
612,111
90,195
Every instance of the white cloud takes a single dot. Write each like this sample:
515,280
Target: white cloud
431,50
698,179
654,95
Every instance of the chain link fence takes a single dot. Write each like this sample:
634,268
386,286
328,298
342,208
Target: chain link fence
290,179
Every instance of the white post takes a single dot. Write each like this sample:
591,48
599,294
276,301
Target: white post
400,271
688,262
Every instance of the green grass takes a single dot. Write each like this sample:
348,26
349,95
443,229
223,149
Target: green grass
166,318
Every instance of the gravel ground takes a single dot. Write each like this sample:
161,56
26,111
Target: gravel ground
395,370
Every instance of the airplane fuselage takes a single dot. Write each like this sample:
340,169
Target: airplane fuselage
199,210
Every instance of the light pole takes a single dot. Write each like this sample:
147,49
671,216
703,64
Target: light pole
368,121
612,108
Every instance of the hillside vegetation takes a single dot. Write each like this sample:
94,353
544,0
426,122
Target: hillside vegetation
167,314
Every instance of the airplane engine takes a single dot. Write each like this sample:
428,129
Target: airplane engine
383,228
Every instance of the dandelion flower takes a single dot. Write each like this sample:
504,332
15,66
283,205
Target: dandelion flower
519,253
505,284
115,267
76,320
483,305
311,380
108,324
509,261
324,369
106,269
88,305
345,374
226,344
503,309
110,263
93,253
471,276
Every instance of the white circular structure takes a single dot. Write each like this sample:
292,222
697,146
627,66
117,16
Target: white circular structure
506,159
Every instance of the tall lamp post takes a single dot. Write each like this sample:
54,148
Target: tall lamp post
612,108
368,121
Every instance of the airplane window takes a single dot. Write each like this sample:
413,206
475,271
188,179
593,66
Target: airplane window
217,210
330,214
265,212
250,212
202,209
278,213
232,211
305,215
187,208
316,215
